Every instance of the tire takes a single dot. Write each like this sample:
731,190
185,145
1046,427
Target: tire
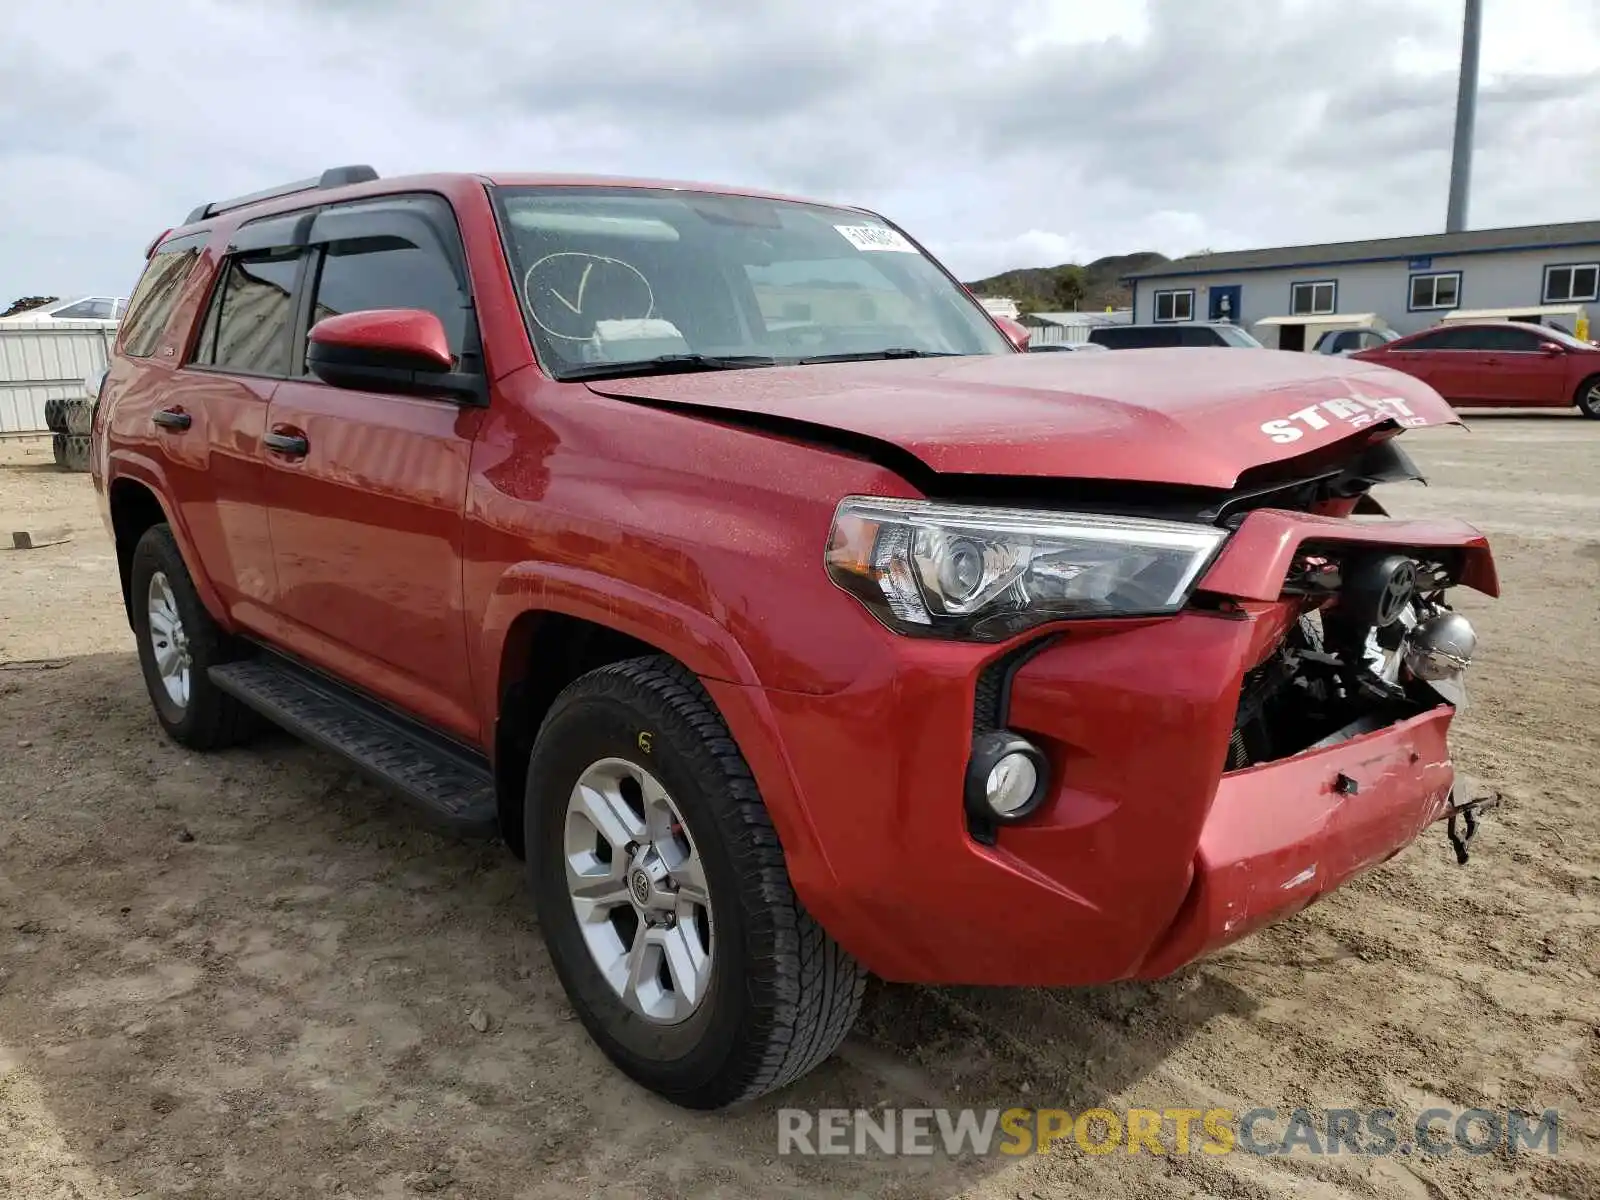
1587,397
78,416
74,451
779,994
53,420
202,717
58,449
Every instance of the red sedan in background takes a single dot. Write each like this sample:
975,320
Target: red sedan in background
1490,364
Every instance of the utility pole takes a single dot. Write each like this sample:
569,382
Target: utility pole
1466,113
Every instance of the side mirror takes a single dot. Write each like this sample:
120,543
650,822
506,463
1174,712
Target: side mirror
387,350
1016,333
1552,347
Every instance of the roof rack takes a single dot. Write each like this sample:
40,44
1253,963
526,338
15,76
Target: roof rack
331,178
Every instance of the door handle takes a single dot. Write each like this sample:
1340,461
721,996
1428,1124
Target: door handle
173,418
292,445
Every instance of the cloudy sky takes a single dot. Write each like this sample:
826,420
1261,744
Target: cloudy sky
1021,133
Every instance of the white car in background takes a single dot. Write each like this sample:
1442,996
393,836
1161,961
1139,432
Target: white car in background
80,308
1348,341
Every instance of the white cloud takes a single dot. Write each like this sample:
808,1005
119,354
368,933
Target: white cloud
1000,134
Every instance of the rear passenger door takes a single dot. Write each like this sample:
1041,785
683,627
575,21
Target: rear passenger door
366,489
1421,356
212,414
1461,365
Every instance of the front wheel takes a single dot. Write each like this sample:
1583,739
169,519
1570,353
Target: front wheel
664,899
1588,398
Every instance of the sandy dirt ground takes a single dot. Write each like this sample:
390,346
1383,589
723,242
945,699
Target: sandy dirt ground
249,975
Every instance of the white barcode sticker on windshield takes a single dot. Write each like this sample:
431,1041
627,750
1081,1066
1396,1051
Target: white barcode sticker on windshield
875,237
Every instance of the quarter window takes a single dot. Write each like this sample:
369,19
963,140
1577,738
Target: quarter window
1564,285
1312,299
1175,306
1436,291
252,311
154,298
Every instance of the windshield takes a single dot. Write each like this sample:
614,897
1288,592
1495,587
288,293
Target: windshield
1559,333
614,280
1235,336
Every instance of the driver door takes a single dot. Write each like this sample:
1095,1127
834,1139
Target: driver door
366,490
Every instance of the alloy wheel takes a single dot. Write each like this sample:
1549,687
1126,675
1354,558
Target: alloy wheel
638,887
169,640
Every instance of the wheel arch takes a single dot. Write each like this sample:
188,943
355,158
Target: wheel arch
135,504
1585,384
548,624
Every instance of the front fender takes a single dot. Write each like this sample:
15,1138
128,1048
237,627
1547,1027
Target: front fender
694,639
690,636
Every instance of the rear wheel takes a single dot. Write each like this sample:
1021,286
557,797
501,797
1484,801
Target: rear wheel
178,645
1588,397
74,451
664,899
78,416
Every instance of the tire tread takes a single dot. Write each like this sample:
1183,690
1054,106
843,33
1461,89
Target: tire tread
817,987
219,720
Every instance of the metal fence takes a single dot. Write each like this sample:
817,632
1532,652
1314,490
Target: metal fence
46,360
1059,335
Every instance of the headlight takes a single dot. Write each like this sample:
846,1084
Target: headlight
983,574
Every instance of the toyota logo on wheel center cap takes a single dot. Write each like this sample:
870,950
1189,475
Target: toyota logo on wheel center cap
639,883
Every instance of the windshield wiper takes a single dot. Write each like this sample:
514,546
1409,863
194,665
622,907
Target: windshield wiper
889,352
669,364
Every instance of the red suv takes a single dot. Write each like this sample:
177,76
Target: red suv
1491,364
718,552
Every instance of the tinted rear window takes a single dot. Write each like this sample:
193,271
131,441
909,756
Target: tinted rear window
251,313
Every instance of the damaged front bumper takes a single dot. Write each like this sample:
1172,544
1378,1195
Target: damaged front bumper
1150,847
1283,834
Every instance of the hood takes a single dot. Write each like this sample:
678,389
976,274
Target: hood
1193,416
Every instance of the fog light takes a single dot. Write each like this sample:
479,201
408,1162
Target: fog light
1007,777
1011,784
1439,650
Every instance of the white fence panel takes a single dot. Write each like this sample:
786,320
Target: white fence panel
46,360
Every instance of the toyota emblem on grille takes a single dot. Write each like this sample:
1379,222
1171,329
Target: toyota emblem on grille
1397,591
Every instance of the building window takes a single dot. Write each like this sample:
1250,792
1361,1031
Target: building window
1313,299
1435,291
1175,306
1571,282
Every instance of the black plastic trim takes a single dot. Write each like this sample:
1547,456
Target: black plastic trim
451,782
333,177
991,707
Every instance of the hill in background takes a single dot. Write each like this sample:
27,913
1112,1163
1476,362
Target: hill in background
1061,289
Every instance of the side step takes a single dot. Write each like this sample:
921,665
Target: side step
452,785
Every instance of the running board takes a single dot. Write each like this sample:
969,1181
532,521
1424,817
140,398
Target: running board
451,785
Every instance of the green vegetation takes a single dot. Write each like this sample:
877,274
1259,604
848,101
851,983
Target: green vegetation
1069,286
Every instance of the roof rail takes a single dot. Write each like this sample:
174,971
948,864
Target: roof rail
331,178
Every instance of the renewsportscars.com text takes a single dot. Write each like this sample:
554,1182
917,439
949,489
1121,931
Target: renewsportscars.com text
1263,1131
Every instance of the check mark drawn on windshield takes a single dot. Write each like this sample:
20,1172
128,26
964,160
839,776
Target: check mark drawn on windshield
583,282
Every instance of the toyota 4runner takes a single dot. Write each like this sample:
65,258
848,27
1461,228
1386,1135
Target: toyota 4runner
720,554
